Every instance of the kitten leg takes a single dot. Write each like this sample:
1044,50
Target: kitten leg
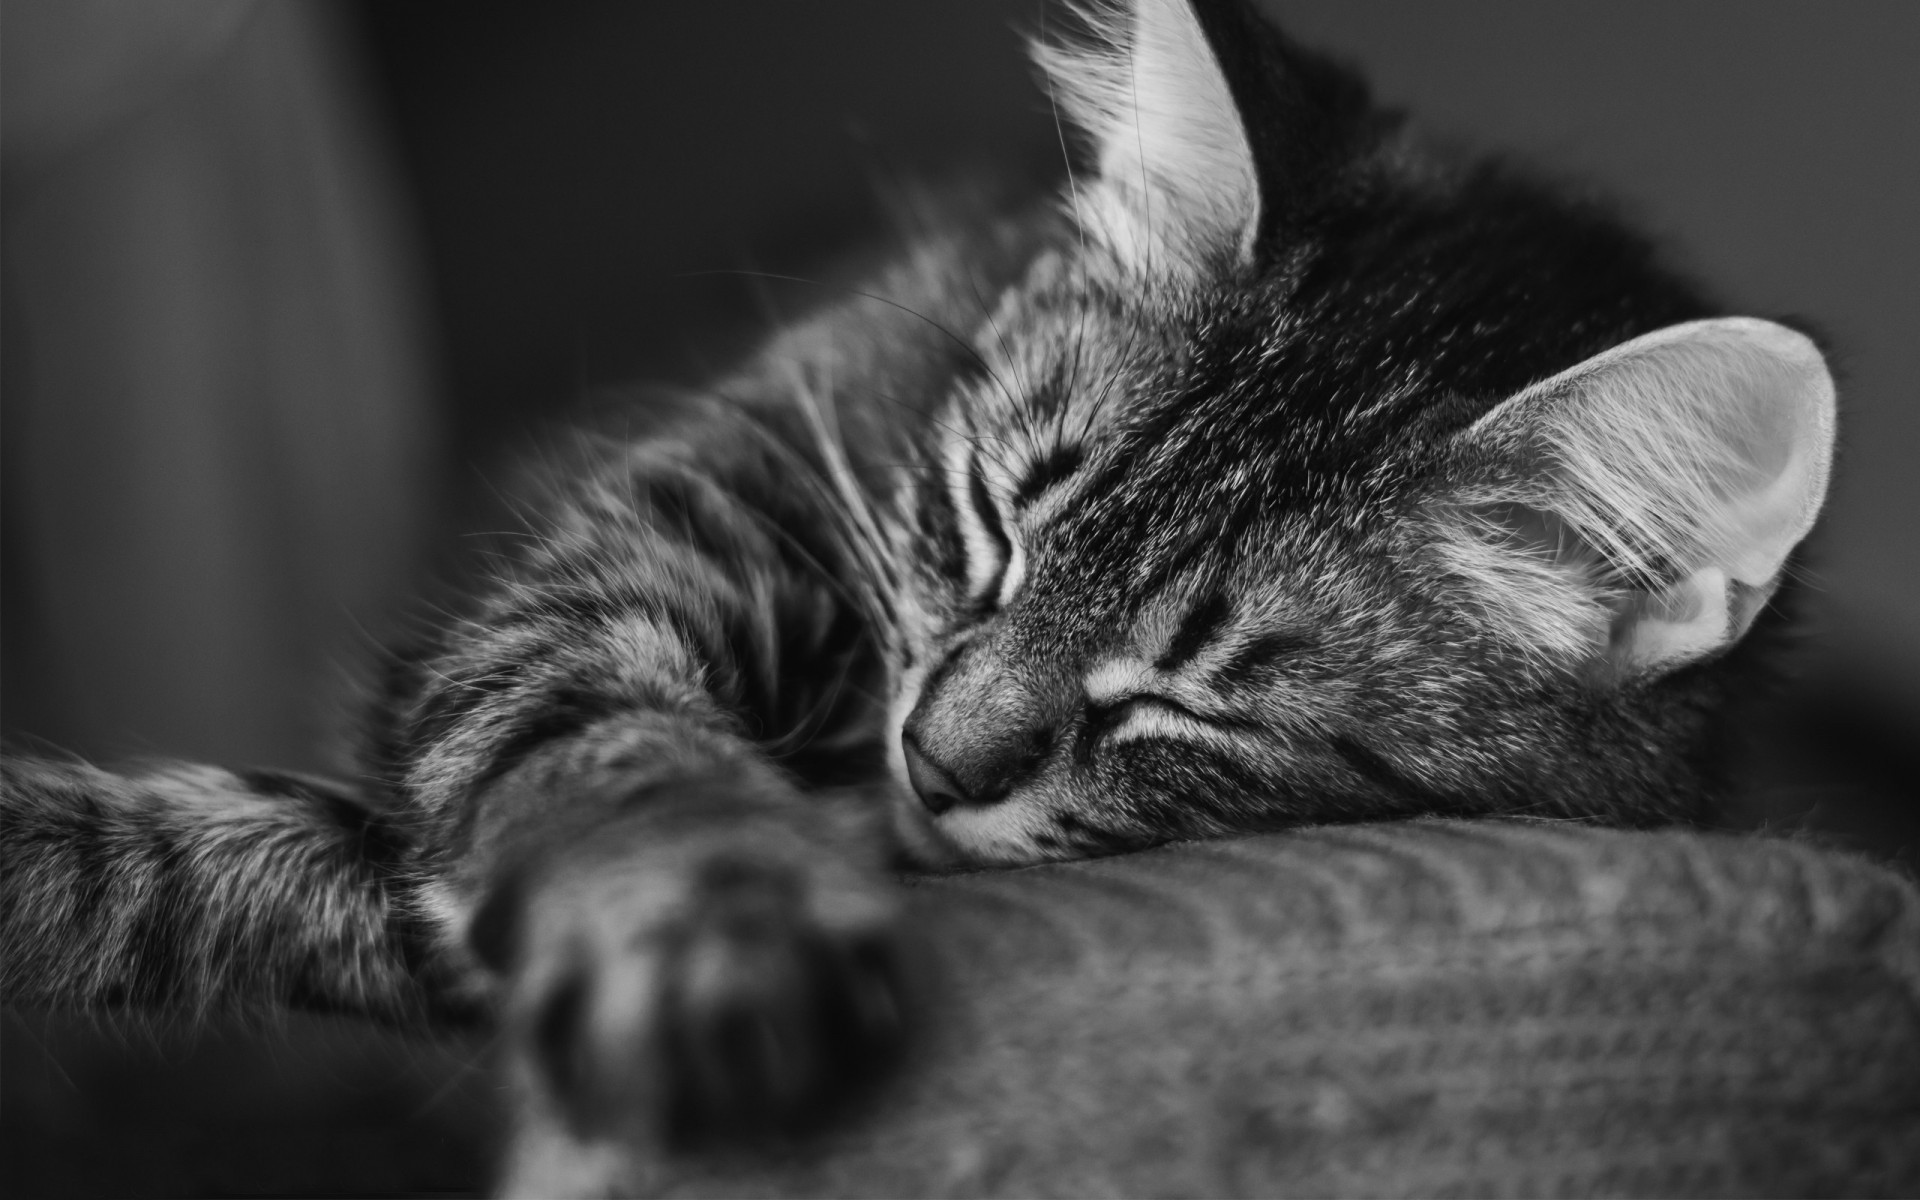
712,963
686,943
684,958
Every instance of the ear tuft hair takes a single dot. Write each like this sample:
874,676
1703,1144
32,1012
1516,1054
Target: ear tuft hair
1641,506
1176,173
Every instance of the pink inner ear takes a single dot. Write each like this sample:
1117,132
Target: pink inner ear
1706,443
1776,430
1765,422
1781,438
1645,486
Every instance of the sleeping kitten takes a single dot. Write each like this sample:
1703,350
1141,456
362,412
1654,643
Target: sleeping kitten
1275,471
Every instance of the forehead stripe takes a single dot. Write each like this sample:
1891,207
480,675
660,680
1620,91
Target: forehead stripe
1199,627
1260,652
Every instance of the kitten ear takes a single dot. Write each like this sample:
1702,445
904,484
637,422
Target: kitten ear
1639,509
1207,123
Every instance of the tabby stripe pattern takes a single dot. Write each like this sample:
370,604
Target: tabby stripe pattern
192,888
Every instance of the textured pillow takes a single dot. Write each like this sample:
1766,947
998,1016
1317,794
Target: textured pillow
1435,1008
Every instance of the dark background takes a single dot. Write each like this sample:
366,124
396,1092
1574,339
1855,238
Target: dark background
558,195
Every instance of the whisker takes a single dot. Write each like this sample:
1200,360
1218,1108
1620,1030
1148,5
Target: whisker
1079,220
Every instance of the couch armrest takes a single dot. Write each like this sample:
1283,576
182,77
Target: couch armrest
1424,1008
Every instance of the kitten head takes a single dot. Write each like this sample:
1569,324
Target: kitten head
1309,477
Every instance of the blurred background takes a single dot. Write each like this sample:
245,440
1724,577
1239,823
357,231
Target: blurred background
287,286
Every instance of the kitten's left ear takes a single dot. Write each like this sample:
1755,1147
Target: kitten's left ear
1638,509
1213,131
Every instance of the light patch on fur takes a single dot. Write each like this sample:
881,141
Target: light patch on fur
1003,834
1116,679
647,651
1177,184
1016,572
448,911
983,550
215,798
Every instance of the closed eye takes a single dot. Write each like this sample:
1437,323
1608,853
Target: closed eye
1104,719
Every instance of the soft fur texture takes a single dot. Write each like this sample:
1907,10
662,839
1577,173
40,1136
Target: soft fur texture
1276,472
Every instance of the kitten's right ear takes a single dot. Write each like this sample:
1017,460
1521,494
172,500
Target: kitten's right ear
1213,132
1636,511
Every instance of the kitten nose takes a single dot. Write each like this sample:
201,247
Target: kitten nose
937,787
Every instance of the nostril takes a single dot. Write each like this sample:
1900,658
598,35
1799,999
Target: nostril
937,789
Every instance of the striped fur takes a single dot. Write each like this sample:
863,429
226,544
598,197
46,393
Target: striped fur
291,889
1240,486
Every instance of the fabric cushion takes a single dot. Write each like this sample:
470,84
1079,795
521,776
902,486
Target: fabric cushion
1432,1008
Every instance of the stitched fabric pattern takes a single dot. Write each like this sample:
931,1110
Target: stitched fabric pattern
1436,1008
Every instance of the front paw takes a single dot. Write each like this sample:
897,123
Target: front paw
738,990
770,1016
